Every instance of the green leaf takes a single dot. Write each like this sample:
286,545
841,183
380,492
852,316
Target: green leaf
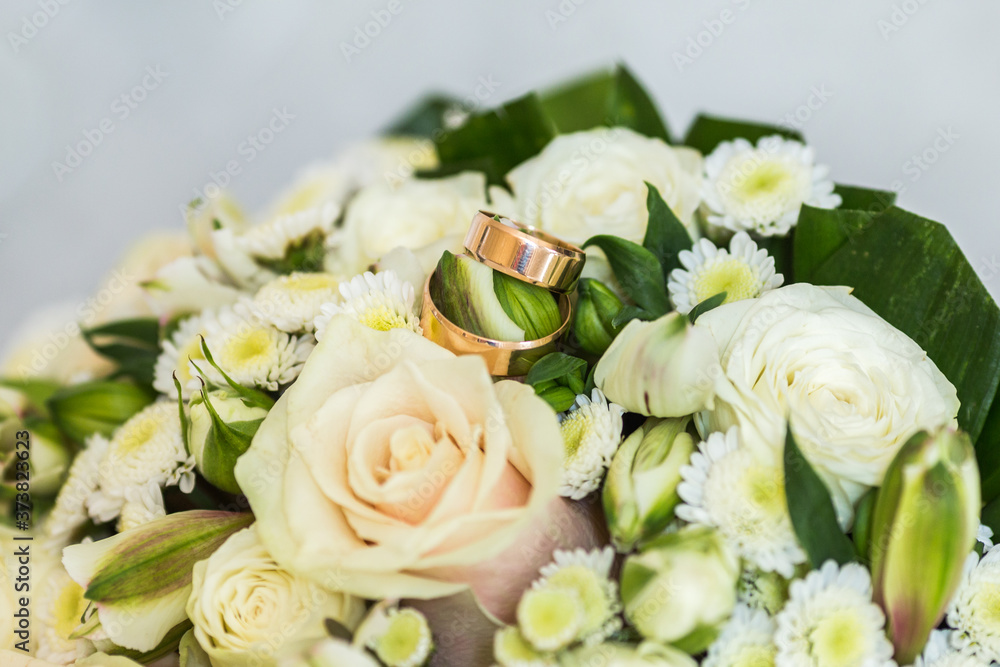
132,344
498,140
707,132
638,272
37,392
991,516
605,98
988,454
629,313
666,236
423,119
864,199
81,410
307,254
559,398
811,509
708,304
911,272
168,645
554,366
532,308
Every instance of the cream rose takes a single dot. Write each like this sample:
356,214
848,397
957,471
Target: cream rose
412,214
592,182
406,472
245,608
854,387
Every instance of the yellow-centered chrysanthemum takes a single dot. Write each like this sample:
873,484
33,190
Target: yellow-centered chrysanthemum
592,431
975,609
747,640
183,346
380,301
291,303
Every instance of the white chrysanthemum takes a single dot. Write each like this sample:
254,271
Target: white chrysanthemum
747,640
272,239
183,346
761,188
588,574
254,353
985,537
147,449
143,504
830,620
380,301
59,604
291,303
511,649
939,652
728,487
742,272
975,610
70,510
592,431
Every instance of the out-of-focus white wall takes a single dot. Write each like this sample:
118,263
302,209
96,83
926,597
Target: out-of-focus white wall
889,81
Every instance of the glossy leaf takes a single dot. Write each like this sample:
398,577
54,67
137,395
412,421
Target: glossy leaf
638,272
666,236
707,132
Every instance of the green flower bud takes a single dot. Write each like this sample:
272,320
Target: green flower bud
221,426
511,649
140,580
47,462
640,492
923,528
662,368
646,654
595,312
490,304
681,588
81,410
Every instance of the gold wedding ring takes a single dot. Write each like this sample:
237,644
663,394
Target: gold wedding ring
524,253
503,358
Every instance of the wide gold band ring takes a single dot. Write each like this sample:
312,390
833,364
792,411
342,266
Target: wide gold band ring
503,358
524,253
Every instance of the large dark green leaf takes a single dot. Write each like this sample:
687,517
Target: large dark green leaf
638,272
608,98
707,132
811,509
911,272
864,199
988,455
555,366
132,344
666,236
497,141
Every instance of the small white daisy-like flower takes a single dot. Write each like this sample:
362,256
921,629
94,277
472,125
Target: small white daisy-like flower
830,619
70,510
147,449
183,346
728,487
379,301
511,649
975,610
291,303
550,618
985,537
939,652
252,352
271,240
761,188
588,574
403,638
747,640
742,272
143,504
592,431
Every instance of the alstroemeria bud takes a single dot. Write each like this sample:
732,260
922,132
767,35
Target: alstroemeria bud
661,368
681,588
641,488
923,528
487,303
595,312
81,410
140,580
220,429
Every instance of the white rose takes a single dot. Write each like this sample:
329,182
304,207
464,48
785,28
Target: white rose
413,214
854,387
245,607
592,182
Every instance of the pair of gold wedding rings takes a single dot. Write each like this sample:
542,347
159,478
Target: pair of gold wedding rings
524,253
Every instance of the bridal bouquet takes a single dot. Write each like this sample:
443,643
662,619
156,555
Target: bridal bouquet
543,385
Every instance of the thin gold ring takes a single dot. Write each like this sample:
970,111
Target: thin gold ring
503,358
524,252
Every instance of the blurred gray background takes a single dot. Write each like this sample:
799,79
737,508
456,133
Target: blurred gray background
901,92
